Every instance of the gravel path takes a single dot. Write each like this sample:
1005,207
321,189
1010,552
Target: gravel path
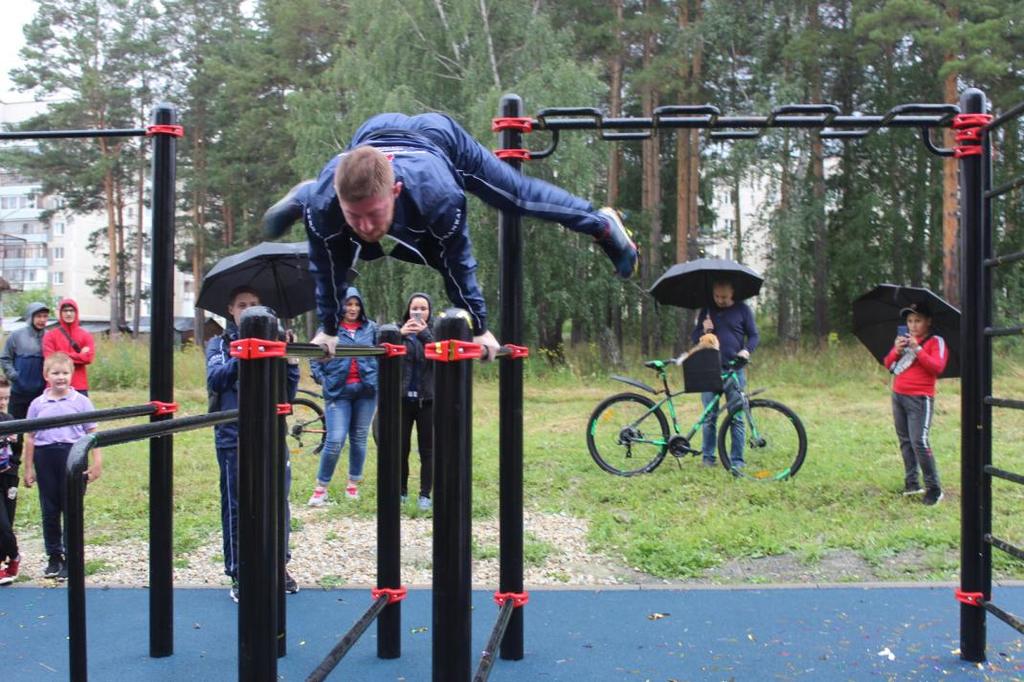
334,551
331,551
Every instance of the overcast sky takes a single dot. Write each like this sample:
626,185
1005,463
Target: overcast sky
17,13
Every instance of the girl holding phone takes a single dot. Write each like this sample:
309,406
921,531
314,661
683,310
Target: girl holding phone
418,395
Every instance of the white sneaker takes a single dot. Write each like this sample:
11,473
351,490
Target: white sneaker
319,496
424,503
352,491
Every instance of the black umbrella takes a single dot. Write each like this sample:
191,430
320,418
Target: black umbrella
689,284
278,271
876,315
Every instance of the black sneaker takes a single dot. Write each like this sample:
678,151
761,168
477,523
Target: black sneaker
63,573
932,496
915,489
53,566
290,586
233,592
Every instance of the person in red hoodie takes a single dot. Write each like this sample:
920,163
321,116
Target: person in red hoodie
916,361
69,337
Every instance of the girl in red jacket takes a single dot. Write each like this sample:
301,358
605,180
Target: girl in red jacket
917,359
68,337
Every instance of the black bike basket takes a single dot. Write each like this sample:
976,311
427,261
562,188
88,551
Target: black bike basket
702,371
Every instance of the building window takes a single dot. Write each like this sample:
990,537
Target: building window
130,211
58,253
186,286
31,276
26,228
58,229
58,278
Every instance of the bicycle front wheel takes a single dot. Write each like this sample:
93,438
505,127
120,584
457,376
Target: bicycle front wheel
307,428
775,439
627,435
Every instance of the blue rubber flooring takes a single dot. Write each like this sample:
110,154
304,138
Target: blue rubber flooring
812,633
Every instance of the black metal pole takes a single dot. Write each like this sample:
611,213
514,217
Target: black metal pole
973,550
452,616
343,646
389,472
257,508
75,531
510,426
483,670
161,387
280,462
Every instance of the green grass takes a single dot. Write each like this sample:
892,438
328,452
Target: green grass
673,523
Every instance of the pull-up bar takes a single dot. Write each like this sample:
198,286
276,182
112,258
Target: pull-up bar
825,117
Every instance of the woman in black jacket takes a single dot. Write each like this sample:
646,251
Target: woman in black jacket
418,395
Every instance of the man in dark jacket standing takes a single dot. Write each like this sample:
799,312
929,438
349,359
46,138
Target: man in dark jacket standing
406,178
222,387
22,359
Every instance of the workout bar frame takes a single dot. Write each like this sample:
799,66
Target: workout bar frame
977,400
17,426
385,609
75,511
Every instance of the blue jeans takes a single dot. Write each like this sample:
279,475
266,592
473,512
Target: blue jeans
488,177
349,416
227,460
739,429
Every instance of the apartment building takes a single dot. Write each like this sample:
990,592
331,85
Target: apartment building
55,254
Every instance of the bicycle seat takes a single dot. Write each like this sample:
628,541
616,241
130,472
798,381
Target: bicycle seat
654,364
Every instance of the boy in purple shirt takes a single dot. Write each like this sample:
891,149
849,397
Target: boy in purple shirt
733,323
46,454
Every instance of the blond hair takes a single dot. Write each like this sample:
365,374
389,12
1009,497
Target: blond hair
58,359
362,173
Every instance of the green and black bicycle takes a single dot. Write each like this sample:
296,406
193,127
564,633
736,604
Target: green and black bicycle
628,433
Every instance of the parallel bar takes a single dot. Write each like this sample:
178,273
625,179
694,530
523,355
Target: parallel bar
996,261
451,621
510,402
346,643
1010,549
1008,618
1003,189
1005,402
257,513
13,426
128,434
311,350
1005,117
161,387
66,134
483,670
975,555
1003,474
74,528
1005,331
389,474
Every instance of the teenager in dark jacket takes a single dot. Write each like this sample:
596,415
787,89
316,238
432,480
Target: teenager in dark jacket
22,359
418,395
350,399
406,177
69,338
222,387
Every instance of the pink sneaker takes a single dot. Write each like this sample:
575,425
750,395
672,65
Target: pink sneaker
319,496
352,491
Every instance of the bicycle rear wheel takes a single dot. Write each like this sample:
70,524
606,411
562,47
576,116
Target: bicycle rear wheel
307,428
776,442
627,435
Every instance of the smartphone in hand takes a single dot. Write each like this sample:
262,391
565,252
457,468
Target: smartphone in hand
902,330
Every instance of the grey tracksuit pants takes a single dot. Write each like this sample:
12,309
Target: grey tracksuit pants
912,415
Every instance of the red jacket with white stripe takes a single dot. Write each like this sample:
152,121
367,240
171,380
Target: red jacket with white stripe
919,378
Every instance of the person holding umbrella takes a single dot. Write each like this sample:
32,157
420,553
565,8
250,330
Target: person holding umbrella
916,360
733,323
222,387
